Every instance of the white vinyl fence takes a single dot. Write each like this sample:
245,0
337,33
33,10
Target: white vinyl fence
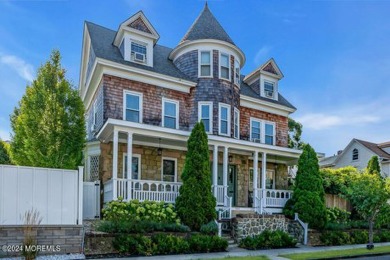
91,200
55,193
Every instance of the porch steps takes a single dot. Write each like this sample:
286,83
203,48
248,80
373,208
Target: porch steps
242,211
228,237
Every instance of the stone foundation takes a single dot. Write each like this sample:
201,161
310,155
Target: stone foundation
51,239
253,224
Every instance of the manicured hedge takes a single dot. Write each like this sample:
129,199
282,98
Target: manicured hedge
163,244
267,240
336,238
140,227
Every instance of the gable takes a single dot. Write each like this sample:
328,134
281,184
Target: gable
345,158
270,68
139,25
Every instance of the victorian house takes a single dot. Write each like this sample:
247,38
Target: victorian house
143,99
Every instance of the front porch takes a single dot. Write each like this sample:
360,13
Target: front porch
157,161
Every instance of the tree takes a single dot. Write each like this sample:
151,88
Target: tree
294,134
48,125
196,204
4,153
373,166
369,194
308,199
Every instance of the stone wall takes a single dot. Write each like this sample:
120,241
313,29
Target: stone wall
254,224
57,239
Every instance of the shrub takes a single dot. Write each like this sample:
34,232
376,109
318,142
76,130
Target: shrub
359,237
168,244
309,197
210,228
140,227
134,210
383,236
267,240
335,238
336,215
196,204
335,180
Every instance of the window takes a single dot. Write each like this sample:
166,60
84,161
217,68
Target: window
270,179
255,131
269,134
133,106
135,170
236,123
205,64
236,72
95,114
138,52
205,114
224,67
250,187
224,119
170,112
169,169
268,89
355,154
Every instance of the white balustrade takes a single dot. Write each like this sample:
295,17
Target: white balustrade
220,191
277,198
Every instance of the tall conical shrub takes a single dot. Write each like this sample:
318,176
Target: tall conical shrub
196,204
308,199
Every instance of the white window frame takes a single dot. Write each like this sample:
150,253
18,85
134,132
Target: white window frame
210,104
272,172
250,184
162,167
236,115
262,130
263,79
220,106
144,44
140,96
139,165
177,103
237,80
273,131
220,66
94,115
200,63
250,129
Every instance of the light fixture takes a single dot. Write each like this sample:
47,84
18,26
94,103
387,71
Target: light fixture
159,149
230,158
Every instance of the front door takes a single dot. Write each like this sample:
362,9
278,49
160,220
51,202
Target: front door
232,183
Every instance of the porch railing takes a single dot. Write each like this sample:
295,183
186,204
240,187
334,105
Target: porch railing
220,192
141,190
277,198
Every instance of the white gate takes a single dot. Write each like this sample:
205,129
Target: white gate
91,200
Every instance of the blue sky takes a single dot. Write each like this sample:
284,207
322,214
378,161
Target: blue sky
335,55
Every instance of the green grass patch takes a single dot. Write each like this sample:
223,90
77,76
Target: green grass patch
338,253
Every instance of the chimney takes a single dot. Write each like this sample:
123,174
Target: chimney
339,152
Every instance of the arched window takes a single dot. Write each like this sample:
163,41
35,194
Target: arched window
355,154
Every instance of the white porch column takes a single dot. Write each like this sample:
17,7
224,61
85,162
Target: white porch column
255,177
215,171
225,169
129,164
115,164
263,176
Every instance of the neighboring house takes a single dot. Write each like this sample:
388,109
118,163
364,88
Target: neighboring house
143,99
357,154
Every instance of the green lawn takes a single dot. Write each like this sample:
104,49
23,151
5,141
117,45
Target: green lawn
338,253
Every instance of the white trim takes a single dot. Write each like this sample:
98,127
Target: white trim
260,70
229,115
140,108
236,135
162,167
265,106
211,44
262,130
265,79
237,82
147,50
139,165
94,111
272,171
177,104
200,63
210,104
220,66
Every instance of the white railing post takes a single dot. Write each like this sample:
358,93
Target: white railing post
80,197
215,170
115,165
129,164
255,176
263,176
225,169
305,227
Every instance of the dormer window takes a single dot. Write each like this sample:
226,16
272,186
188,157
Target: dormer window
138,52
205,64
224,70
269,89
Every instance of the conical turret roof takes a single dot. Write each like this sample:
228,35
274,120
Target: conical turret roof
206,26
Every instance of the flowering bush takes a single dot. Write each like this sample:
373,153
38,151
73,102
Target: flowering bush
135,210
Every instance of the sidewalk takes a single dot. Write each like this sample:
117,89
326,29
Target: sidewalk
236,251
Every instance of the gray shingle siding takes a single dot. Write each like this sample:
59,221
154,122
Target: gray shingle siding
188,64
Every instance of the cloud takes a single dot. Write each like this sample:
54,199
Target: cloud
262,55
24,69
320,121
5,135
